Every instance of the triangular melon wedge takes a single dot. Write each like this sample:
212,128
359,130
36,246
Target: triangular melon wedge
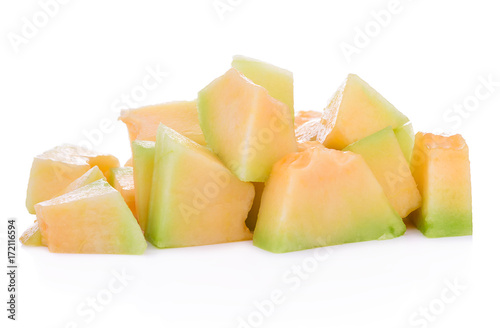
93,220
143,160
356,111
278,81
182,116
52,171
122,179
195,199
322,197
382,153
247,128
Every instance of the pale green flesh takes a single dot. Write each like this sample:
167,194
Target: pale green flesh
406,139
144,155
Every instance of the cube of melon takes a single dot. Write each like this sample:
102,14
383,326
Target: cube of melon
406,139
182,116
54,170
382,153
277,81
195,199
247,128
441,167
144,159
356,111
92,219
122,179
322,197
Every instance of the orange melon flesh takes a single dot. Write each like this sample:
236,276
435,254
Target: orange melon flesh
122,179
382,153
247,128
32,237
182,116
54,170
441,167
130,162
356,111
307,125
277,81
144,158
303,117
93,219
195,199
322,197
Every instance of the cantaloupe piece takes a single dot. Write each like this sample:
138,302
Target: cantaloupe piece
122,179
54,170
195,199
91,219
182,116
382,153
144,159
32,237
356,111
322,197
277,81
305,116
406,139
248,129
130,162
307,125
441,167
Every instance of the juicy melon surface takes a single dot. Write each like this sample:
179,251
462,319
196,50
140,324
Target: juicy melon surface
52,171
248,129
144,159
277,81
122,179
441,167
322,197
195,199
382,153
182,116
93,219
356,111
406,139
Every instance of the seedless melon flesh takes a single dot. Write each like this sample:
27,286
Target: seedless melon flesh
356,111
277,81
195,199
247,128
182,116
143,159
382,153
406,139
122,179
54,170
322,197
441,167
32,236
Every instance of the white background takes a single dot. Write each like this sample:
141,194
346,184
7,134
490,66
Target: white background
64,80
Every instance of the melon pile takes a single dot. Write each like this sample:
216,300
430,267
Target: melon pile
238,164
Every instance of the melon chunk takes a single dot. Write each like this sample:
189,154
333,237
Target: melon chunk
277,81
54,170
356,111
122,179
248,129
144,159
406,139
31,236
91,219
254,211
382,153
307,125
322,197
441,167
305,116
195,199
182,116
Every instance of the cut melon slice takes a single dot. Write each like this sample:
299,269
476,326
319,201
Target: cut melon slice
303,117
382,153
248,129
32,236
356,111
195,199
144,159
277,81
406,139
322,197
122,179
130,162
92,219
441,167
307,125
54,170
182,116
